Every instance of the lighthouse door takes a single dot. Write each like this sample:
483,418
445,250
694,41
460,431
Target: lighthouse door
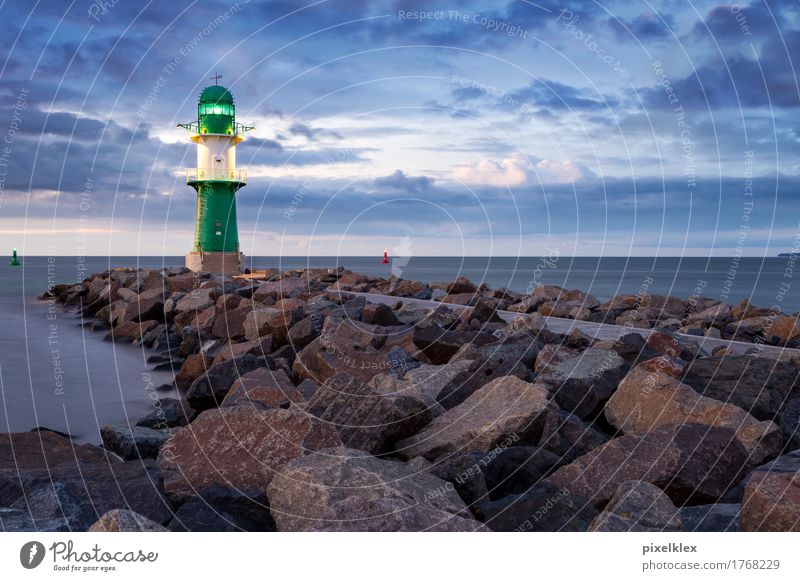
219,166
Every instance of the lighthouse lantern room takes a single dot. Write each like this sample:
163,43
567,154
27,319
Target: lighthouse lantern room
216,180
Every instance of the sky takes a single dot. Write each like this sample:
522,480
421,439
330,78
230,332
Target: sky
502,128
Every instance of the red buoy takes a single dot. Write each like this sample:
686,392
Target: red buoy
385,257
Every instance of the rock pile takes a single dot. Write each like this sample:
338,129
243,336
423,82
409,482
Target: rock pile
306,408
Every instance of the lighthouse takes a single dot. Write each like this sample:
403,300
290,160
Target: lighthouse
216,181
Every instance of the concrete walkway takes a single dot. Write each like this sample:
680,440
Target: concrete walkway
600,331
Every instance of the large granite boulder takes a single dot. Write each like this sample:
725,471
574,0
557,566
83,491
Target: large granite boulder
348,490
543,508
711,518
425,383
89,478
238,446
193,367
219,508
263,387
134,442
306,330
230,350
229,323
362,351
195,301
51,507
568,437
121,520
689,462
366,419
210,389
758,385
168,413
270,321
513,355
582,384
646,400
439,344
551,356
772,496
507,407
638,506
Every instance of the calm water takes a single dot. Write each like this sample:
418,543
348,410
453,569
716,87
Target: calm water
55,373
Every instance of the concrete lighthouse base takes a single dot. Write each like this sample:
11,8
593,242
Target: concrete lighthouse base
216,262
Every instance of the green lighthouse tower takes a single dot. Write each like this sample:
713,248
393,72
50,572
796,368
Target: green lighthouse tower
216,180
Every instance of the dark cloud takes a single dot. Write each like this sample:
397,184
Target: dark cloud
400,181
645,27
740,81
739,22
312,133
560,97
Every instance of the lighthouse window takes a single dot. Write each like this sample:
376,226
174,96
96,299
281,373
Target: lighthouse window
216,109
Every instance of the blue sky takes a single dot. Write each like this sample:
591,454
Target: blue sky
473,128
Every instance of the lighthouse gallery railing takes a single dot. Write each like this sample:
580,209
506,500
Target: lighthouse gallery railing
207,174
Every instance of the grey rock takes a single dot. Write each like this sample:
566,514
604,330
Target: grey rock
543,508
638,506
134,442
711,518
125,521
505,411
347,490
582,384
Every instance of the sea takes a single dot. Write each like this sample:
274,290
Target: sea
58,374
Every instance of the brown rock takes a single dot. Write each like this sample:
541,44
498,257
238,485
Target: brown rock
230,323
507,407
306,330
440,345
269,321
263,387
351,350
689,462
759,385
772,496
461,285
210,389
284,288
258,347
551,355
347,490
125,521
240,447
647,400
425,383
130,331
782,329
583,383
638,506
194,366
365,419
465,299
195,301
379,314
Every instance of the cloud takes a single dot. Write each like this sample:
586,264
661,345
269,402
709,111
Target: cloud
645,27
740,80
520,170
736,21
400,181
561,97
